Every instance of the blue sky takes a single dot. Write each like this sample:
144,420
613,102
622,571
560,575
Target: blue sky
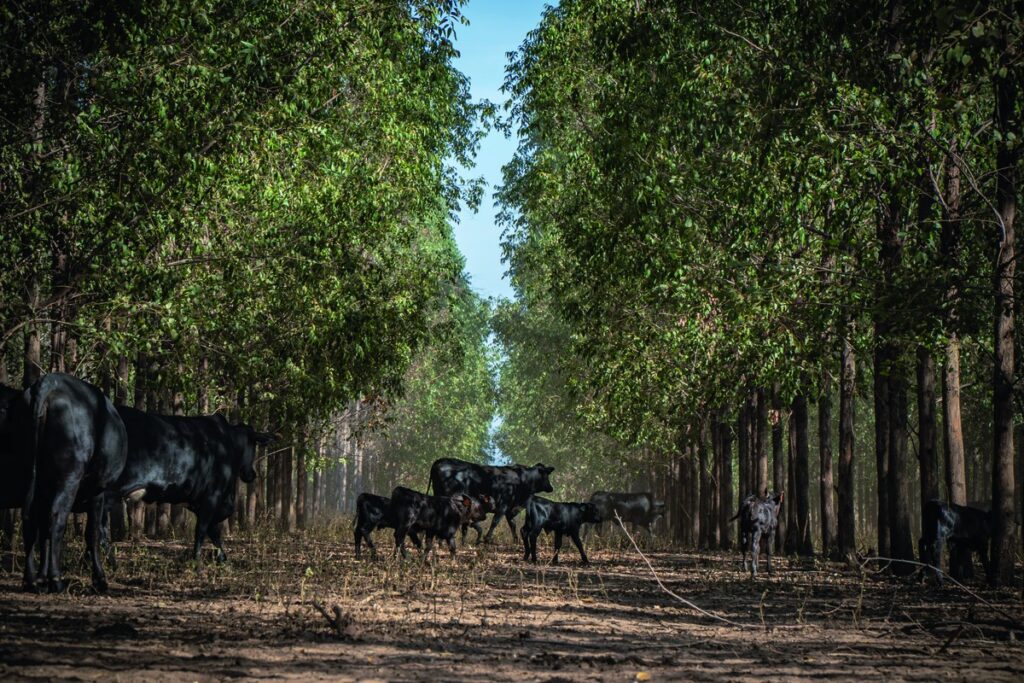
496,27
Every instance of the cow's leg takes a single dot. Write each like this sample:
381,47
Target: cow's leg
755,551
202,524
430,546
415,538
451,545
479,533
31,540
494,522
575,536
400,541
768,549
465,529
558,547
531,552
358,539
93,533
986,562
214,534
937,560
526,543
509,517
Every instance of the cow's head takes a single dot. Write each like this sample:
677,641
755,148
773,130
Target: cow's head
463,505
487,503
776,501
246,440
537,478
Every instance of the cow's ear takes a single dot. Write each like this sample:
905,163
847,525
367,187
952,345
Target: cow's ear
264,438
467,502
548,470
779,497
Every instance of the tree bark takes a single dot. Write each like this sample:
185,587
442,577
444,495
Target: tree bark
761,481
881,401
847,521
927,450
779,464
805,545
827,500
703,539
725,504
901,545
792,540
1003,540
743,448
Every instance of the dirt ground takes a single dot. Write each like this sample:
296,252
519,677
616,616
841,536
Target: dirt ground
490,616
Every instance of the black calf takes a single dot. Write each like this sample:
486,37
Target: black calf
436,516
758,517
967,528
375,512
561,518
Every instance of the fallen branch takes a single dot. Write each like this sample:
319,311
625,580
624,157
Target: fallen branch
923,565
700,610
340,622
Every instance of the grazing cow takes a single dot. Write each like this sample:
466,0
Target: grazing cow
191,460
375,512
639,509
436,516
561,518
968,528
508,486
78,448
758,518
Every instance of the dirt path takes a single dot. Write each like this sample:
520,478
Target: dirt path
490,616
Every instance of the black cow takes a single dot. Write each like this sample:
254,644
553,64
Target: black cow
561,518
509,486
436,516
639,509
77,450
375,512
191,460
969,529
758,517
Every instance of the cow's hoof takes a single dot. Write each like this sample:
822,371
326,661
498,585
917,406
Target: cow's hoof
58,586
31,586
100,586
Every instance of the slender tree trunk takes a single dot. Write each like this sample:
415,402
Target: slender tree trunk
726,503
703,539
779,464
927,451
805,545
743,448
1004,540
901,545
953,443
827,500
692,502
792,540
847,523
762,481
881,399
301,479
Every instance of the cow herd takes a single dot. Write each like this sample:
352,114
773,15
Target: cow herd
65,447
465,493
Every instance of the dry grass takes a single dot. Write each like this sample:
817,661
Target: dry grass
490,615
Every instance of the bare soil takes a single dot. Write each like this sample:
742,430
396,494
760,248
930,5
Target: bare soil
490,616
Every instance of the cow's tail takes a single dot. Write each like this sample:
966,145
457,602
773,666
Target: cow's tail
37,409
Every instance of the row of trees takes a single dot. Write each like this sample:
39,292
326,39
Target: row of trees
219,206
723,220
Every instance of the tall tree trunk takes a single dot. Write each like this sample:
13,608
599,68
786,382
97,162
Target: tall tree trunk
901,544
1003,541
743,448
805,546
779,464
847,522
725,500
827,500
703,539
32,368
692,502
792,540
761,481
927,450
301,479
953,443
881,401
